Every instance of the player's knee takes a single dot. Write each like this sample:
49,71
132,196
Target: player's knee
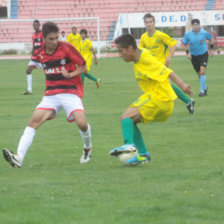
35,122
82,124
123,116
28,70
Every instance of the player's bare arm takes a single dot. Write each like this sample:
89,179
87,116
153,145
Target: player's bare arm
80,70
211,47
171,54
94,55
185,87
187,51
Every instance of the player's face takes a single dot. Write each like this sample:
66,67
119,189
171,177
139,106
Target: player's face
125,53
51,41
74,31
149,23
36,26
196,27
83,35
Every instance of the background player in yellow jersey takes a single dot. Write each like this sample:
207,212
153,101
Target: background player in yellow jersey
87,52
74,38
162,47
156,104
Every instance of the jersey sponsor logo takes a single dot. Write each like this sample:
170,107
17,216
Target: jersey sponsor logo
56,63
57,70
63,61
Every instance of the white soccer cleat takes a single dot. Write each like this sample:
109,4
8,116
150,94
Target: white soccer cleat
86,156
12,159
123,149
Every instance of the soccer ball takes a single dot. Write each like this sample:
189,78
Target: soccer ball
126,156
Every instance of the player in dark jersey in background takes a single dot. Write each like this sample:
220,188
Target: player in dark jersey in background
37,43
62,65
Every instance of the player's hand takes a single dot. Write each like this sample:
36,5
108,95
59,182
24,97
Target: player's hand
187,89
167,62
189,56
211,53
95,61
66,74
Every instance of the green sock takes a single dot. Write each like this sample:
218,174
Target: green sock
89,76
83,78
180,94
139,142
127,126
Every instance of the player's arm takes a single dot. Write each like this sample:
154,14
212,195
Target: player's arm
211,44
94,55
171,43
80,70
185,41
73,54
171,54
185,87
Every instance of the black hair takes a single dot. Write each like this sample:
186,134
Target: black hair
49,27
149,15
83,31
195,21
36,21
125,41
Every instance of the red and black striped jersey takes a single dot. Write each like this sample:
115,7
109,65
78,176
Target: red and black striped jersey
64,57
37,41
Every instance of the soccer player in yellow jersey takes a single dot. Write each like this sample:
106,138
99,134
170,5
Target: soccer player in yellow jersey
162,47
74,38
87,52
156,103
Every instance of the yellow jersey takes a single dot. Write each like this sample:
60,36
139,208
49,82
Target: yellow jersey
75,40
86,51
152,77
158,44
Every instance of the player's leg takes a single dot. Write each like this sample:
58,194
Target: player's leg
196,64
74,109
38,117
203,65
82,78
32,65
189,102
93,78
85,132
128,118
204,87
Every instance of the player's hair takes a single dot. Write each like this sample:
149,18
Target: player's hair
36,21
195,21
125,41
49,27
83,31
149,15
74,27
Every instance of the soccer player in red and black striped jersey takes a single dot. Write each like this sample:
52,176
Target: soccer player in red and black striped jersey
37,39
62,65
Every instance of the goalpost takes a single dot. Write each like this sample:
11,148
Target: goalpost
20,30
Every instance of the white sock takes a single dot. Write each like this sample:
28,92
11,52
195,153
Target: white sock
29,82
25,142
86,137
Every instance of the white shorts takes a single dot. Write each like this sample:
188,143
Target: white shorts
35,64
69,102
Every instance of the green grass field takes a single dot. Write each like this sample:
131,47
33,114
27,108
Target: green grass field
183,183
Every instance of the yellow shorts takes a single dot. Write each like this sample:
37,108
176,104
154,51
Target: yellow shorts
153,110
